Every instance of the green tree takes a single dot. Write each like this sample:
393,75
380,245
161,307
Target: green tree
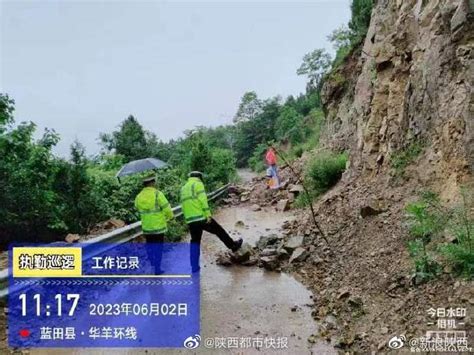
249,134
304,103
29,210
342,40
340,37
130,141
249,108
315,65
290,125
82,210
6,111
361,12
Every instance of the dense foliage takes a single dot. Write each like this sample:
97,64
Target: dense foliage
346,38
44,196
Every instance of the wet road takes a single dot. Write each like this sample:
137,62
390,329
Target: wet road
244,302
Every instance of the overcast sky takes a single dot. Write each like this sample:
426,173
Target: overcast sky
81,67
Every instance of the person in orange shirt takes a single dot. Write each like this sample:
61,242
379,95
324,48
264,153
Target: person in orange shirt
271,160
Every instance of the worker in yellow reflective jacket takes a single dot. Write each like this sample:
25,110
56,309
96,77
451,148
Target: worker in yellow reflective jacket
197,215
155,212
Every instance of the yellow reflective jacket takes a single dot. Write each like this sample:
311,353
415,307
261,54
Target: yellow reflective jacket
154,209
194,201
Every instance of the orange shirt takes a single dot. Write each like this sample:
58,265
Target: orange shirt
270,157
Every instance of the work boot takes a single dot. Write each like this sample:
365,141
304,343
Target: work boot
237,244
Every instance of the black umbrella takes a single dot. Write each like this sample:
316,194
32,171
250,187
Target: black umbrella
138,166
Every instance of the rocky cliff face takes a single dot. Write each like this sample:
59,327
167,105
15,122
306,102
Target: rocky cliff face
410,82
408,85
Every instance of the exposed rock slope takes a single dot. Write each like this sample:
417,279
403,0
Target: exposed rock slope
409,85
412,81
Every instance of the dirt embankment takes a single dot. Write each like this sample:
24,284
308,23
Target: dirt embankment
362,282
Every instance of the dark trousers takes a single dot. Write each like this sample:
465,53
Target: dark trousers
196,229
154,250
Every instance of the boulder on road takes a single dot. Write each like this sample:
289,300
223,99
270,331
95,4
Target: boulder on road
243,254
283,205
298,255
264,241
114,223
296,189
223,259
293,243
72,238
268,252
244,198
270,262
255,208
282,253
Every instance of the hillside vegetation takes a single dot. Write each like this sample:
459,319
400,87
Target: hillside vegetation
45,197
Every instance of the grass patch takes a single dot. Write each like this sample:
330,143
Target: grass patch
428,219
404,157
322,173
425,221
325,171
460,254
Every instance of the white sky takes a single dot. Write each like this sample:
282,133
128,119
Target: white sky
81,67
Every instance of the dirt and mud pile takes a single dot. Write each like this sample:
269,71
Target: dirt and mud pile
257,194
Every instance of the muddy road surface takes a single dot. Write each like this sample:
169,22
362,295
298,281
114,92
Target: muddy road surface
243,302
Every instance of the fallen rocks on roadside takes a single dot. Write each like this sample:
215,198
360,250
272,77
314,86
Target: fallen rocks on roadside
282,253
72,238
373,208
296,189
114,223
283,205
299,254
265,241
239,224
268,252
293,243
223,259
343,293
251,262
270,262
255,208
243,254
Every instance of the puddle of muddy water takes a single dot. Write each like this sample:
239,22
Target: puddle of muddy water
244,302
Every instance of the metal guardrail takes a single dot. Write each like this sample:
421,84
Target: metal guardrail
117,236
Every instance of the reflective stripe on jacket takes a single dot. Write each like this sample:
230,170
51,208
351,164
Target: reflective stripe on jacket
194,201
154,209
